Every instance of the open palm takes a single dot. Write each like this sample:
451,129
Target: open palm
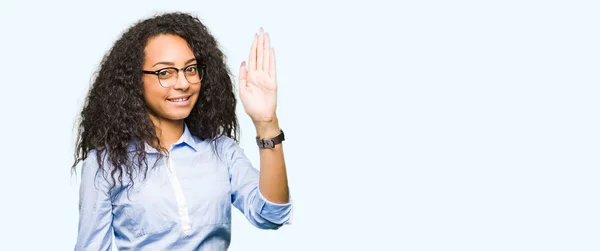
258,83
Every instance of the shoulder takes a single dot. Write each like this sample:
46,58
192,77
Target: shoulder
226,147
91,160
226,144
225,140
94,165
94,177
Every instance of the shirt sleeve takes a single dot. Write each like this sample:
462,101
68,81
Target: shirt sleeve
95,230
245,194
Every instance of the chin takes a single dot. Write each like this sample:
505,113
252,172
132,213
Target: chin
178,116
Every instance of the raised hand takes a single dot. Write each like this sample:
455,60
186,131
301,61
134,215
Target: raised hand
258,83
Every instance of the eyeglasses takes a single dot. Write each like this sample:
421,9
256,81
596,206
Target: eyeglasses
167,77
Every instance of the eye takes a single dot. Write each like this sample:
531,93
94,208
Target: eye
191,70
166,73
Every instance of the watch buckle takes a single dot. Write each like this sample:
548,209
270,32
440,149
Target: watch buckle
267,143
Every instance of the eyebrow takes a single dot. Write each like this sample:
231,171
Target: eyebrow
172,64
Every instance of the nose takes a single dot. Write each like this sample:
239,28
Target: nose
182,82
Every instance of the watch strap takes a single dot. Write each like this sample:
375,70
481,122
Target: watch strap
272,142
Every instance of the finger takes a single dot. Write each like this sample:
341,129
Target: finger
273,69
252,57
260,47
266,52
242,82
243,72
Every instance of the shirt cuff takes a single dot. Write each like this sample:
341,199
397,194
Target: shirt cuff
274,212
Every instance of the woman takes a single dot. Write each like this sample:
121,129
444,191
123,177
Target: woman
158,142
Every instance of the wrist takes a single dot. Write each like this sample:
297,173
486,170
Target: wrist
267,129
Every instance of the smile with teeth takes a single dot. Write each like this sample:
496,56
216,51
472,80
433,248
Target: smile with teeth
179,99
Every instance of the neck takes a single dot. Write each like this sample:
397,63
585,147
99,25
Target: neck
167,131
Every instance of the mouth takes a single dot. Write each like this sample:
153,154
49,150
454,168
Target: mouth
179,99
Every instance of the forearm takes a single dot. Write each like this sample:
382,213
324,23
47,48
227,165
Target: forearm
273,183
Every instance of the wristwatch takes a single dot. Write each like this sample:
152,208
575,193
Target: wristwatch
270,143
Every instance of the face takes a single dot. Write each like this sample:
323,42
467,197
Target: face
174,102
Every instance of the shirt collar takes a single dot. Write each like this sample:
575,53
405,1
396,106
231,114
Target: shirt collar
186,139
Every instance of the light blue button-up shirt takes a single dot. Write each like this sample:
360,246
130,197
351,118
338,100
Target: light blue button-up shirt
184,202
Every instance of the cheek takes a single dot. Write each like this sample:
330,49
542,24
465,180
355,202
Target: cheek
153,93
196,90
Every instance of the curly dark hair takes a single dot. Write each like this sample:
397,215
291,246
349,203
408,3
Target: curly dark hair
115,114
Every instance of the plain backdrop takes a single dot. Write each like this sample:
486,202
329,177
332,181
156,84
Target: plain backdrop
410,125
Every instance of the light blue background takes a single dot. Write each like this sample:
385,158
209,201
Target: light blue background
415,125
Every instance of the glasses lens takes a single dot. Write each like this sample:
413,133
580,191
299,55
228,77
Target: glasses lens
193,74
167,77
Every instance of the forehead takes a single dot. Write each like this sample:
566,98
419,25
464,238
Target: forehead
169,48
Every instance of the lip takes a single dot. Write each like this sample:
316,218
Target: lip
186,102
184,96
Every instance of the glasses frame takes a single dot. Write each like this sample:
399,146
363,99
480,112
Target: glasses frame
201,68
